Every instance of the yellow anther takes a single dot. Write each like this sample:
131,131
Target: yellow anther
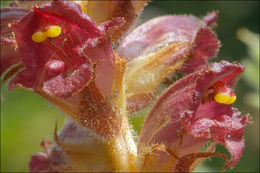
38,37
224,98
231,100
53,31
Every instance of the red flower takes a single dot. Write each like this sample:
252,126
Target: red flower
59,69
188,114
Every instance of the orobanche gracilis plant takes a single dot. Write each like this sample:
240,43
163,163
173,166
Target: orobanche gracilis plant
73,54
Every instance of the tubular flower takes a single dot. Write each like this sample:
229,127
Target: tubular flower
188,113
64,51
161,46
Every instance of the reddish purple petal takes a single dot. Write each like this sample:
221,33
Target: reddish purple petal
10,15
9,55
63,87
162,31
101,52
220,123
206,45
181,110
211,18
39,163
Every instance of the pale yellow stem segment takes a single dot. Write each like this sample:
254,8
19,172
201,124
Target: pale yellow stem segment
103,10
122,148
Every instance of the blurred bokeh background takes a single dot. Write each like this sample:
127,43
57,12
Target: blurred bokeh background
26,118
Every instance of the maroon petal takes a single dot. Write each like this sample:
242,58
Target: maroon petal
211,18
220,123
9,54
39,162
182,110
205,46
63,87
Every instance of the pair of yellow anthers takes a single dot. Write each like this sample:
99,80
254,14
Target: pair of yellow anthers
224,94
52,31
225,98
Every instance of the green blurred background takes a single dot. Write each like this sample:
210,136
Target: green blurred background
26,118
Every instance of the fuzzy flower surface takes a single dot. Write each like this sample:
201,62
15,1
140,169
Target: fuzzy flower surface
97,71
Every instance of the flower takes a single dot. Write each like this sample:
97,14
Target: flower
189,106
65,52
161,46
